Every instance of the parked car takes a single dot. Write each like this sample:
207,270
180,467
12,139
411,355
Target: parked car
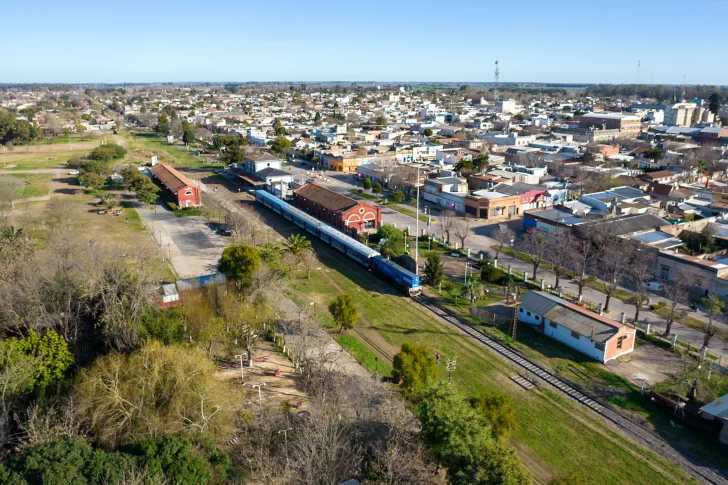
655,286
73,172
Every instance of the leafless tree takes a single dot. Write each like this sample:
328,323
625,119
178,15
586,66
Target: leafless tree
580,262
639,273
447,222
503,236
535,245
676,293
614,258
10,189
461,229
558,254
40,423
309,260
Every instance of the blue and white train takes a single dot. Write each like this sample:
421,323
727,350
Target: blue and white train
357,251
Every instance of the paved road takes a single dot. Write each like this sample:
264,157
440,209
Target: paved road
193,248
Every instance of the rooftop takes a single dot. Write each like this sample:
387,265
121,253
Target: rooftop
325,198
171,178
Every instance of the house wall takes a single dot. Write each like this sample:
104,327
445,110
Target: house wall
188,197
583,344
612,352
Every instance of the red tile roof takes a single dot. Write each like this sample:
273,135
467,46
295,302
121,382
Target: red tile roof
325,198
171,178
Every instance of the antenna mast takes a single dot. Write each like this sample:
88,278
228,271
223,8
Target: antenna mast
638,71
496,79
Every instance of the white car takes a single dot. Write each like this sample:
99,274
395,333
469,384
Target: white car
655,286
73,172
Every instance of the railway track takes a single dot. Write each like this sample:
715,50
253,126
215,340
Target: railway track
694,466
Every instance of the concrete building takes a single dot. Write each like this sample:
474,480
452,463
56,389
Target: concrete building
626,124
591,334
491,205
447,192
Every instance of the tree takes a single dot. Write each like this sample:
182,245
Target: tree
655,154
153,391
10,190
461,439
367,183
280,145
380,120
238,263
676,293
558,255
639,274
296,244
147,191
414,368
317,119
447,222
535,245
580,253
376,188
92,180
344,312
389,237
163,124
461,228
715,101
481,161
51,356
427,132
188,136
472,290
109,201
434,270
713,305
615,256
278,127
497,409
503,236
397,196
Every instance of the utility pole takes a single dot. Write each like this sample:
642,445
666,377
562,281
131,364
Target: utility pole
451,363
417,224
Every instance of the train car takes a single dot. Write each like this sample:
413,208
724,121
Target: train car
395,273
357,251
361,253
290,213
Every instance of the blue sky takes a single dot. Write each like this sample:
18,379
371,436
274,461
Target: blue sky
546,41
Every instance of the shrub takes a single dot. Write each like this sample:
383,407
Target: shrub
490,274
172,205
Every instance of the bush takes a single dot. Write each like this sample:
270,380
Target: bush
107,153
172,205
414,367
658,305
490,274
397,196
164,325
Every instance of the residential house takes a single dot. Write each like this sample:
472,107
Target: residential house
448,192
591,334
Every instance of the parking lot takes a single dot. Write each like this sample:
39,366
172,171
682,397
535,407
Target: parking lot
192,247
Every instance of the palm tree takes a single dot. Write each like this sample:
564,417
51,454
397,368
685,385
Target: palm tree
296,245
270,252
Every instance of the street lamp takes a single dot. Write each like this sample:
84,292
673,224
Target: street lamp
285,442
242,373
260,396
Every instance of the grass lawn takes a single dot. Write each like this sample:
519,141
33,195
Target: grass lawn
554,435
20,160
364,355
143,144
35,185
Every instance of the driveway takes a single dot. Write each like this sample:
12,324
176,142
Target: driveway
192,247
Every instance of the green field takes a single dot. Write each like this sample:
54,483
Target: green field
20,160
143,144
34,185
554,435
364,355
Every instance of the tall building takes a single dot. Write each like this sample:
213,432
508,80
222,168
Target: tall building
680,114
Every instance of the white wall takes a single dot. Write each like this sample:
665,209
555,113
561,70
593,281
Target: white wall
562,334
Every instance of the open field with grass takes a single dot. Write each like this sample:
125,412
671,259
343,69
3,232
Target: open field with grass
553,433
143,144
20,160
34,184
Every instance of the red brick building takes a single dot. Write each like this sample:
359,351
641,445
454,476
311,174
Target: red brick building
182,190
337,210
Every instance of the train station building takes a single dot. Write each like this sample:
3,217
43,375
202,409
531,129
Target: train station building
344,213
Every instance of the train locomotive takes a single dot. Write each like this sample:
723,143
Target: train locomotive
361,253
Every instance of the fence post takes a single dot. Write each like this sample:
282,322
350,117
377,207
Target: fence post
647,331
674,339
